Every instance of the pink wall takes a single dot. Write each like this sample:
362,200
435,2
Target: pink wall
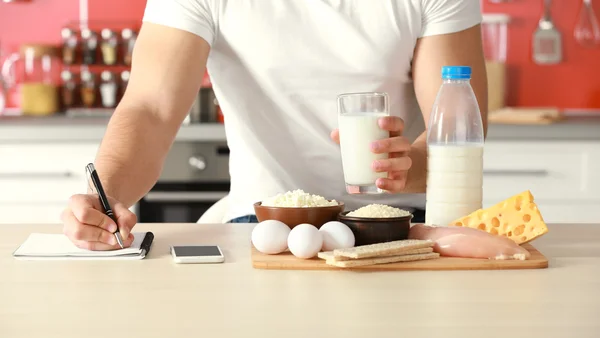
35,21
575,83
117,9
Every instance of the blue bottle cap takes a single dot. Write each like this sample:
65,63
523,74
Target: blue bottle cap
456,73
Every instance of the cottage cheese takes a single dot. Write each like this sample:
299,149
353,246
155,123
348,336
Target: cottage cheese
378,211
297,198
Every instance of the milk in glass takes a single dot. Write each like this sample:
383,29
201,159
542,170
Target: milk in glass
358,116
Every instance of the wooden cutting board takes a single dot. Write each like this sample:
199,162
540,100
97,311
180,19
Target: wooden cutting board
510,115
287,261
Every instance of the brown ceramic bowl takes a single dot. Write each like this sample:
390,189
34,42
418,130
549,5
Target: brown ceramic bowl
377,230
316,216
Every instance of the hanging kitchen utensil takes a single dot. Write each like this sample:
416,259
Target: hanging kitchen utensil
547,41
2,90
587,29
2,96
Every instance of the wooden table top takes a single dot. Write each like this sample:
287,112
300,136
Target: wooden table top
155,297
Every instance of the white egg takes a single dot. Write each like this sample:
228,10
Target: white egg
305,241
270,237
336,235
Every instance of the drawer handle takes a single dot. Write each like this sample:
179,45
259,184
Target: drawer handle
184,196
40,175
535,173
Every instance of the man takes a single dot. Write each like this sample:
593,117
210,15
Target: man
277,68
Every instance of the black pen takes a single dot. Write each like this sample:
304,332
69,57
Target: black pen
104,200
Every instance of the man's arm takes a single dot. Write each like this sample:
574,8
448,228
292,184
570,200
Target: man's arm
431,54
167,70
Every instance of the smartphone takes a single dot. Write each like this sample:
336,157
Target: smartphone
197,254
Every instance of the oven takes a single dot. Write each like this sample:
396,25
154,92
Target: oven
195,175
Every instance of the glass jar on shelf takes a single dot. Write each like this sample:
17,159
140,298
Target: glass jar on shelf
108,89
34,72
89,46
124,82
88,89
108,47
70,42
129,38
69,89
495,43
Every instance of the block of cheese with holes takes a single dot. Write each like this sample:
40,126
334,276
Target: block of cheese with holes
517,218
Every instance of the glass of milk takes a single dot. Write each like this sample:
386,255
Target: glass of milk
358,116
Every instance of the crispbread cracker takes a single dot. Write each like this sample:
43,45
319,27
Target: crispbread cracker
382,260
328,255
383,249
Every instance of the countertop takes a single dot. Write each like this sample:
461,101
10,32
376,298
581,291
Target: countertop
60,128
155,297
92,129
580,128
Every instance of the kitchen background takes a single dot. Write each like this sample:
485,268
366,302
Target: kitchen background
545,132
573,83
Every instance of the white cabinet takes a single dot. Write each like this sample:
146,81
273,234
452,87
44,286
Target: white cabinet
37,179
563,176
30,213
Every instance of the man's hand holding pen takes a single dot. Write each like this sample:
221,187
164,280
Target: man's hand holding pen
89,228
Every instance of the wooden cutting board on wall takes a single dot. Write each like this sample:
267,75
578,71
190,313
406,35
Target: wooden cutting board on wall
525,116
287,261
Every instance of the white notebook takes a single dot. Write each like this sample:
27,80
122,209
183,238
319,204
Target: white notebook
40,246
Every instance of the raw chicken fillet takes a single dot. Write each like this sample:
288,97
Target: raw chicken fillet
453,241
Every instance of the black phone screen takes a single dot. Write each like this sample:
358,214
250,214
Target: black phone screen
196,250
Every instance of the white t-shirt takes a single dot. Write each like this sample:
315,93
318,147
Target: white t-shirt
278,66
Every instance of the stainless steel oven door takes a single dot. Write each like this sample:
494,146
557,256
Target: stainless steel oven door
195,176
176,206
184,197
